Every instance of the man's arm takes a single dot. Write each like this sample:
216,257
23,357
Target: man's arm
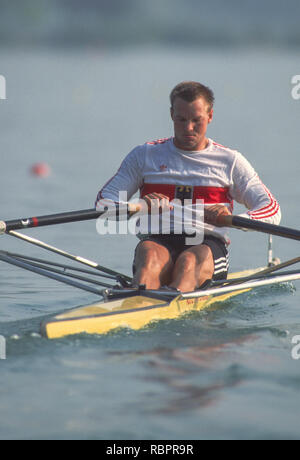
249,190
126,182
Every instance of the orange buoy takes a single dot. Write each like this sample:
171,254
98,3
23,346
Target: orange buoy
41,170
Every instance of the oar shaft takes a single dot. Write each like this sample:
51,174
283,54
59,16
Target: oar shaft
63,218
46,273
66,254
52,219
251,224
266,228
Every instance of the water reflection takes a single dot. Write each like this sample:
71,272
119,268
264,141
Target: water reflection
193,377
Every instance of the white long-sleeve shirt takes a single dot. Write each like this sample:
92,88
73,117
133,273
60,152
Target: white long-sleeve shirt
217,174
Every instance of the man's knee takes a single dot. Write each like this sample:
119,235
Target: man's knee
199,257
151,256
188,259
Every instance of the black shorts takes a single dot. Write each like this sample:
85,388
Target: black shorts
176,244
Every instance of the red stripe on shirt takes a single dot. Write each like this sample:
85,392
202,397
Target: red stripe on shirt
267,211
158,141
210,195
220,145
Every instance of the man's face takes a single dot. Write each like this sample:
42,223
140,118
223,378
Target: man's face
190,123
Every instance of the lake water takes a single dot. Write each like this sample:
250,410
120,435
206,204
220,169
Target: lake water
226,373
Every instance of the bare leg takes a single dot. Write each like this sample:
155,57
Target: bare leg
153,264
193,267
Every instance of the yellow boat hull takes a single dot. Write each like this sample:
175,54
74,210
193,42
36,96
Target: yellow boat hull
133,312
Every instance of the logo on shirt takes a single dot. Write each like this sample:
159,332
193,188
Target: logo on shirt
163,168
184,192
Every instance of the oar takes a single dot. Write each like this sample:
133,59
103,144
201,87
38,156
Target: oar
62,218
88,214
56,264
50,268
261,273
52,219
66,254
54,276
250,224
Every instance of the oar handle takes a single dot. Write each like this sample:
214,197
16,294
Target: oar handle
251,224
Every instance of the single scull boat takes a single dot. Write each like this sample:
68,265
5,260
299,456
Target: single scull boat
122,305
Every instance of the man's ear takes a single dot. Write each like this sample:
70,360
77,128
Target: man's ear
210,115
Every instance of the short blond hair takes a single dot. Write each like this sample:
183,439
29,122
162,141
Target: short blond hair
190,91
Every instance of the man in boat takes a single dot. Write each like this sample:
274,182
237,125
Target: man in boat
191,166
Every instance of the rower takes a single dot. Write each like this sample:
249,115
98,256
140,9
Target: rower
189,166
